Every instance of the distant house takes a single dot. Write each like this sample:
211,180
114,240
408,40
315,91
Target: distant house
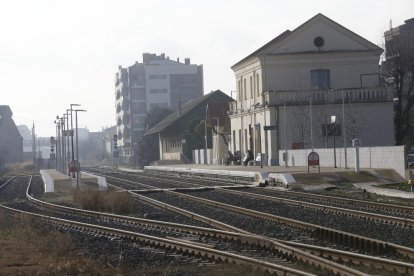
176,133
11,142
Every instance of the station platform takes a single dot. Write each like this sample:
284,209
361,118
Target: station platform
286,176
55,181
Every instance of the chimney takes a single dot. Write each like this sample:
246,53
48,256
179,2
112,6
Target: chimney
187,61
178,59
145,57
162,56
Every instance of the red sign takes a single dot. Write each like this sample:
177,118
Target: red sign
313,159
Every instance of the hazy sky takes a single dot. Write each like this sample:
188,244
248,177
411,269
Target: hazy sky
53,53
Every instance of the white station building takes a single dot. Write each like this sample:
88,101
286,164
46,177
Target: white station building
307,88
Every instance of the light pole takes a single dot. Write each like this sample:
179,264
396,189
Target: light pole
218,139
77,148
311,125
57,144
344,128
333,123
286,152
66,115
205,134
62,123
71,133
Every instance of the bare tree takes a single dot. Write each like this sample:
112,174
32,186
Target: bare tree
300,127
398,69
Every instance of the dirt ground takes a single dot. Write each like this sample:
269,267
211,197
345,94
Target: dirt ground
17,259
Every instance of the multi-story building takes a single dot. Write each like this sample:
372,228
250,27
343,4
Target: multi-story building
11,142
309,88
156,82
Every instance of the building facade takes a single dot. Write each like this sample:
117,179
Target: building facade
310,88
156,82
177,135
11,142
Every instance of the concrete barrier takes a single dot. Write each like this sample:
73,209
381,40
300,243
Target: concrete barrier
91,182
392,157
253,176
55,181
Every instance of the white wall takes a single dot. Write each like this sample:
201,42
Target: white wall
202,156
369,158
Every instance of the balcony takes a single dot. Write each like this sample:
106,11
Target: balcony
245,105
125,119
359,95
125,105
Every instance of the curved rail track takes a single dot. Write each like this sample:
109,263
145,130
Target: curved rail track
188,248
287,249
341,237
330,234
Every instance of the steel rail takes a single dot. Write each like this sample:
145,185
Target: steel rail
403,222
7,182
239,235
371,216
320,251
341,237
334,254
178,246
367,204
253,239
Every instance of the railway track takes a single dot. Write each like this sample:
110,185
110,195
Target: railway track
353,212
276,245
334,254
341,256
180,246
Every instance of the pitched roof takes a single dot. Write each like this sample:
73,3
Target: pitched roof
218,111
289,33
271,42
184,110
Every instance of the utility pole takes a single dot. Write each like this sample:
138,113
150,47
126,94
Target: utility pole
344,129
77,148
34,146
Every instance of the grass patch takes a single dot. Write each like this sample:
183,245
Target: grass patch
18,168
347,177
30,247
104,201
396,186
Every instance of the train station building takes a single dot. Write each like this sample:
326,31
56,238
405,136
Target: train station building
309,88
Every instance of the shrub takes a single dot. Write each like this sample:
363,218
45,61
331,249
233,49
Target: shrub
107,201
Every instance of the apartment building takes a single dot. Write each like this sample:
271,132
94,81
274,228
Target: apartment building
157,81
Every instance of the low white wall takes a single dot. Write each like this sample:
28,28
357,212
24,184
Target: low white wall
101,181
48,182
199,156
369,158
254,175
171,156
